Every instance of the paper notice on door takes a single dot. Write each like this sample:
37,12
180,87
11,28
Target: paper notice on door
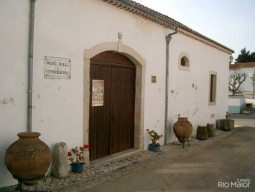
97,93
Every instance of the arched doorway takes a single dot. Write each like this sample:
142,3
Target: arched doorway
112,104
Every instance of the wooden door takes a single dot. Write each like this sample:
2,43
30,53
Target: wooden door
111,125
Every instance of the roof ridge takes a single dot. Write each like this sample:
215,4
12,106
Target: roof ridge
173,23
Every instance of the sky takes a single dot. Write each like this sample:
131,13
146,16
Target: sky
229,22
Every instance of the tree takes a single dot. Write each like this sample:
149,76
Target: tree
231,58
252,56
253,83
235,80
245,56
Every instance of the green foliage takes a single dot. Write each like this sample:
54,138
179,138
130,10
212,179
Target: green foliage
253,78
245,56
253,83
154,136
231,59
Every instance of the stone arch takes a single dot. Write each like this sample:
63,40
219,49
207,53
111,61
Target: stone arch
184,62
140,63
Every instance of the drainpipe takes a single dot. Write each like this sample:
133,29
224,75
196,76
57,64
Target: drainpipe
30,65
168,39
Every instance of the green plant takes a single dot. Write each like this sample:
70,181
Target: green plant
154,136
253,83
78,155
245,56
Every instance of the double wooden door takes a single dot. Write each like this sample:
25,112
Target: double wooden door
111,114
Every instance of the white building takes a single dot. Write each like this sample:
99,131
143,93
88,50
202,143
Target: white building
123,44
247,68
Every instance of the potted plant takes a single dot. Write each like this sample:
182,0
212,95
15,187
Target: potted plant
78,160
154,136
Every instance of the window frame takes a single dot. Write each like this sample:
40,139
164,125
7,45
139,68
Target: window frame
212,97
184,56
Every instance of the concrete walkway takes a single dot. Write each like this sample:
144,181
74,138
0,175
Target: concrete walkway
105,172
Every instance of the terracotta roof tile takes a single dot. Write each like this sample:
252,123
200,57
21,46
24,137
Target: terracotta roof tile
241,65
160,19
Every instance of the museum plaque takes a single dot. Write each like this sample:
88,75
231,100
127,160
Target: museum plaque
57,68
97,92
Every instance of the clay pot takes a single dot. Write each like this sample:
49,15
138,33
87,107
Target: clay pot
182,129
28,158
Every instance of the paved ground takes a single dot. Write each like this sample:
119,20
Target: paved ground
200,167
203,169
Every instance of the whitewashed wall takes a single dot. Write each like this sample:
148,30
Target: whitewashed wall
246,86
13,76
236,104
189,90
65,28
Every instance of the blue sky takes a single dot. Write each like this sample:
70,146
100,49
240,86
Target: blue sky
229,22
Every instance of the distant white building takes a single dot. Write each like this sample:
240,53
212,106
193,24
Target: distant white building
247,68
100,75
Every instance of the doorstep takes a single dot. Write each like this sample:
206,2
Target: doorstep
115,157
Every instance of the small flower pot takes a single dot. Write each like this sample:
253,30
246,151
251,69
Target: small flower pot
77,168
154,148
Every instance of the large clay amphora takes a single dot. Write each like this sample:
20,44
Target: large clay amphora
182,129
28,158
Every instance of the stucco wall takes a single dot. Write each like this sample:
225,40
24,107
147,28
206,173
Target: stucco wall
189,90
236,104
13,76
65,29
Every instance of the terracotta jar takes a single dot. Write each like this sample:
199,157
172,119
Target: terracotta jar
182,129
28,158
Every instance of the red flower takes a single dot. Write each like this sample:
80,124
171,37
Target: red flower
86,146
69,154
147,129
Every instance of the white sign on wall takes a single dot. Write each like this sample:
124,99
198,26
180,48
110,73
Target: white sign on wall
57,68
97,92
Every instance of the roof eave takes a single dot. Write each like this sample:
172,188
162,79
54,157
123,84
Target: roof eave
147,13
